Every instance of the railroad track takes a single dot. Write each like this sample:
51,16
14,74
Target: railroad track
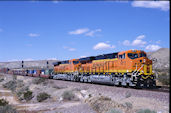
156,89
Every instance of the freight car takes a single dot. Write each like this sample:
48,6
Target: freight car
126,68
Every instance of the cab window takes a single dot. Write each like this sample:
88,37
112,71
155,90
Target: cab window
122,56
132,55
142,55
75,62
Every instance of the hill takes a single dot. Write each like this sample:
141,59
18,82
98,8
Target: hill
162,57
28,64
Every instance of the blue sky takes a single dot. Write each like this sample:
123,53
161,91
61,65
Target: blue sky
64,30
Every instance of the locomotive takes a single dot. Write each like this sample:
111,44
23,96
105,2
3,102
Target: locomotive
125,68
129,68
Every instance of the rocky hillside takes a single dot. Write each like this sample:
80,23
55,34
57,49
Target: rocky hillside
28,64
162,58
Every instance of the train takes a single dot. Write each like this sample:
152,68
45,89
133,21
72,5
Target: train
130,68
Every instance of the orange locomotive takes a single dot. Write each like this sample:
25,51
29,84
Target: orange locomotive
127,68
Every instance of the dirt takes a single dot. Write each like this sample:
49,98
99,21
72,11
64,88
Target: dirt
88,98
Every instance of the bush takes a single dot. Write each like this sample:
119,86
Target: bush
3,102
127,94
164,78
68,95
113,110
146,111
1,79
21,91
39,80
128,105
10,85
7,109
42,96
28,95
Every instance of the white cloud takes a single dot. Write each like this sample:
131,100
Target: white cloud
141,37
79,31
126,43
12,60
103,46
51,59
69,48
83,56
152,47
28,59
137,42
92,33
34,35
163,5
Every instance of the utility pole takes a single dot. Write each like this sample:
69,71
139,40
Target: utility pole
22,64
47,64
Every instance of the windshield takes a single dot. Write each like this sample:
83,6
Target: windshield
75,62
132,55
142,55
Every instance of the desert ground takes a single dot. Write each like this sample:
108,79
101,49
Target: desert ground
38,95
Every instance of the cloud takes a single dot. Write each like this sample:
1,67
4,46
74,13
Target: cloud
85,31
34,35
69,48
92,33
13,60
51,59
137,42
83,56
152,47
163,5
141,37
103,46
28,59
126,42
79,31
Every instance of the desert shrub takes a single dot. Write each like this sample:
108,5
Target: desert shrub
114,110
14,77
3,102
68,95
164,78
128,105
7,109
39,80
127,94
145,111
28,95
20,83
42,96
10,85
1,79
21,91
103,98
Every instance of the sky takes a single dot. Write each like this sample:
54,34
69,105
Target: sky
62,30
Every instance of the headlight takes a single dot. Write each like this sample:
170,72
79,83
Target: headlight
144,60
